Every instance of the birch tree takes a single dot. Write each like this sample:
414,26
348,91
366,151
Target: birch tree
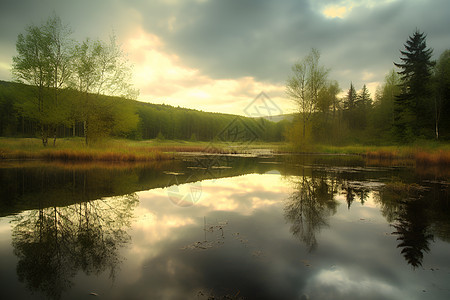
42,60
100,69
304,84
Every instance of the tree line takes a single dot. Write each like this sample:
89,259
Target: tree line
411,104
125,118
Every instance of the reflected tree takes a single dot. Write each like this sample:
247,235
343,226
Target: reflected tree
352,193
404,207
412,228
349,195
309,207
101,231
363,195
40,243
54,243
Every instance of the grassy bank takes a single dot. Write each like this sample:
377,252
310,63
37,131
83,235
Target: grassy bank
423,153
74,149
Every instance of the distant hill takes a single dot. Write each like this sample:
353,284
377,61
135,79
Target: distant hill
154,119
278,118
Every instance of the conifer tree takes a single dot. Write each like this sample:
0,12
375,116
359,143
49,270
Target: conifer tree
413,111
363,105
350,106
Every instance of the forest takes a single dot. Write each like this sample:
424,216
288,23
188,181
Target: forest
411,105
67,88
124,118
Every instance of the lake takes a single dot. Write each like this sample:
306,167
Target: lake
225,227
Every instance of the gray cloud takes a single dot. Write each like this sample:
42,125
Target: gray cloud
236,38
227,39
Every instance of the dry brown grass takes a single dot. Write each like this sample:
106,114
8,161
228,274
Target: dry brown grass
440,157
86,154
418,156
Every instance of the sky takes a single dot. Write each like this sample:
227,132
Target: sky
219,55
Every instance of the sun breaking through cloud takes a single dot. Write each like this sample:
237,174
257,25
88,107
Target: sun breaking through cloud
335,11
162,78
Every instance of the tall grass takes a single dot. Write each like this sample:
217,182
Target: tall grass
75,150
440,157
423,153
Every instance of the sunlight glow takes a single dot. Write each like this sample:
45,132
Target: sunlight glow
335,11
341,9
4,66
162,78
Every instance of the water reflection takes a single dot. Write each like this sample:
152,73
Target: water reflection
309,207
54,243
416,213
241,238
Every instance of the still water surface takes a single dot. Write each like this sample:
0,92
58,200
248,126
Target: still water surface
225,228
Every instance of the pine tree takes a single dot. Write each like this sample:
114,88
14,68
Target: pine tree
363,98
363,105
414,104
350,107
350,99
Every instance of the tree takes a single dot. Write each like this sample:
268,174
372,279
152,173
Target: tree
442,91
100,69
413,105
325,124
382,120
363,98
327,97
31,65
363,106
43,61
304,85
351,98
350,106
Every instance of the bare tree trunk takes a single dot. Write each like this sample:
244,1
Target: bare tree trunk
54,136
86,132
437,130
304,128
438,114
44,135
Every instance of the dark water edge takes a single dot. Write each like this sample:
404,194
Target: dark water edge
73,226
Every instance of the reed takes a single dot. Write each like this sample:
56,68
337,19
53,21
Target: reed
74,150
440,157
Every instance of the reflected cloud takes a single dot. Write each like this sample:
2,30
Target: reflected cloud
253,192
342,283
241,236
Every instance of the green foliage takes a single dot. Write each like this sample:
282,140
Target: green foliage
382,114
442,95
120,117
43,60
413,107
350,107
409,106
304,86
160,137
183,123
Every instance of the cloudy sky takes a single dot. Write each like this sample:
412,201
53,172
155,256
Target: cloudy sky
218,55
